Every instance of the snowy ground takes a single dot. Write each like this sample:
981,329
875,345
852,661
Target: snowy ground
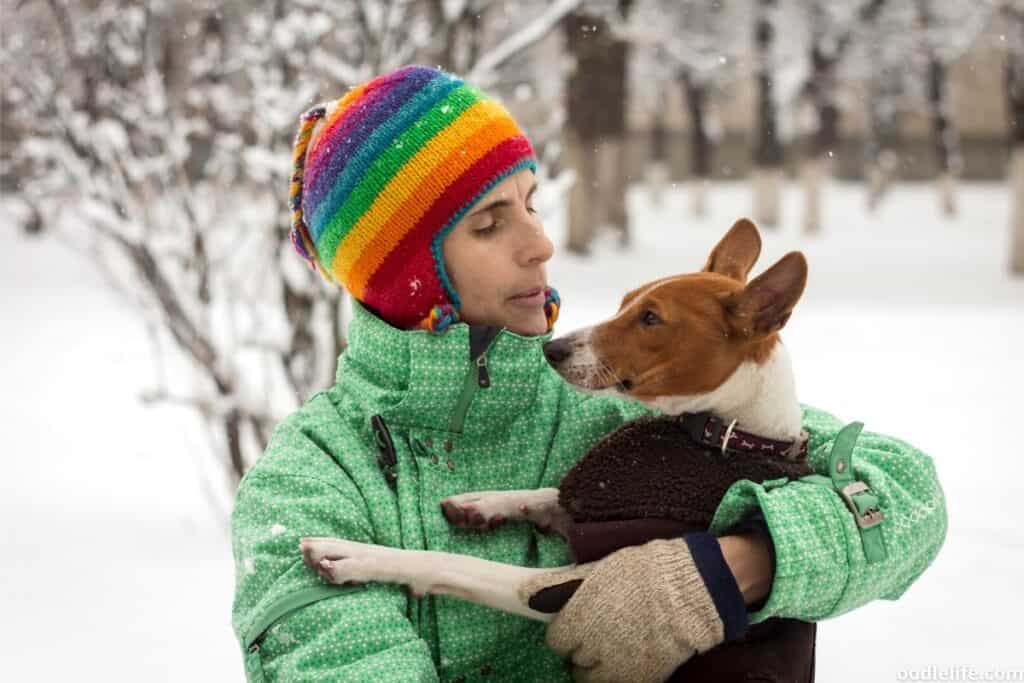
114,567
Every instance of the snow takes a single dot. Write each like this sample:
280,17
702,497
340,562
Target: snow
113,566
909,324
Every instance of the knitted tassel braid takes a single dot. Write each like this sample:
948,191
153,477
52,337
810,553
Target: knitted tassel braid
381,176
442,316
299,234
552,302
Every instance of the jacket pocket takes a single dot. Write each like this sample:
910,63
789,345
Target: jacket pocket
275,612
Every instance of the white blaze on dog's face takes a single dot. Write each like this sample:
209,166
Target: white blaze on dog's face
687,334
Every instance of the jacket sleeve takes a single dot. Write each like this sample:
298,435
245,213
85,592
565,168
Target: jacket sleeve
305,628
820,566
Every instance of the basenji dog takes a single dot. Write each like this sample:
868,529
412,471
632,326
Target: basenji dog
702,344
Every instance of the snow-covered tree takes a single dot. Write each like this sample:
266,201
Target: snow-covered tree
700,47
767,172
595,125
884,52
155,136
1014,39
905,55
832,27
947,31
158,136
935,36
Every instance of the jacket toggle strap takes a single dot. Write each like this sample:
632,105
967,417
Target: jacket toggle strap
856,494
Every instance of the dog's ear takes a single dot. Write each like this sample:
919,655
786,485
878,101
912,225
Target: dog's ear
737,252
764,305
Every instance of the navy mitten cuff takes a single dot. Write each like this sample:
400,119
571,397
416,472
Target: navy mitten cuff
721,584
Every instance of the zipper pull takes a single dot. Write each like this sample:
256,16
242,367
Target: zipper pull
480,339
483,378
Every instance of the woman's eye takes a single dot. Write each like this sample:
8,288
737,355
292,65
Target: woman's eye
486,230
530,209
649,318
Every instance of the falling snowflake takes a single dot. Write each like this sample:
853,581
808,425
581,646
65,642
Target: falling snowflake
414,285
276,530
250,565
445,109
285,638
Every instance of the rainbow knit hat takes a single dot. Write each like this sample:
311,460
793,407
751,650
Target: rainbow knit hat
384,173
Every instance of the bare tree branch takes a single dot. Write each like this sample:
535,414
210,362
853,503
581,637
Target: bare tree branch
483,72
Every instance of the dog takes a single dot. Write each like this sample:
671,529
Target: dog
703,348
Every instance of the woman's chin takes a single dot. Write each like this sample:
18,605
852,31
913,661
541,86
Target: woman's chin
529,326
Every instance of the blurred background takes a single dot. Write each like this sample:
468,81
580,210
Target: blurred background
158,324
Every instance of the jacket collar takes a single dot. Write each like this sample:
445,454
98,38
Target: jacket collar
418,378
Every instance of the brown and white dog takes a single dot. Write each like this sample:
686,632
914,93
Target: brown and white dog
691,343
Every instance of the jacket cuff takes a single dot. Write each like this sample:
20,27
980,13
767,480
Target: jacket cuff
720,583
755,521
808,532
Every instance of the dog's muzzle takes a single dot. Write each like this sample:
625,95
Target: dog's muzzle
558,350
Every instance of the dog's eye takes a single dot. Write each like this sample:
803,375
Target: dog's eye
649,318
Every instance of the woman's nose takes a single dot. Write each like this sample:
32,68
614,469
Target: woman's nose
536,247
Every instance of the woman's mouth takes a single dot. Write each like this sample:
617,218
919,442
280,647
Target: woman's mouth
530,298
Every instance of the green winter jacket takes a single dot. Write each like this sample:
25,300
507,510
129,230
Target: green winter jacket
320,476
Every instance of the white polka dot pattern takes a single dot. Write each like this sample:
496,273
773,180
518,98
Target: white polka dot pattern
319,477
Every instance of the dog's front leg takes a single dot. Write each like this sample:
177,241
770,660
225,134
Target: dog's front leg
425,572
488,509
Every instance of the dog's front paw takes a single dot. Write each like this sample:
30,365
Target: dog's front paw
484,510
480,510
338,561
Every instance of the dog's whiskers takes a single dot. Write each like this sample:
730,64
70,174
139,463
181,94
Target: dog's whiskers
607,376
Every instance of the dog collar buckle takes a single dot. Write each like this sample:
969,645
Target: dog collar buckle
696,426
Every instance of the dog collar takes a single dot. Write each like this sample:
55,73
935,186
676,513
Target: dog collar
710,430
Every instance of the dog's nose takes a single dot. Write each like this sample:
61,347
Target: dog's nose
557,351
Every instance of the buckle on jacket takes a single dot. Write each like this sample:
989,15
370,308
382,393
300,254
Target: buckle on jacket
872,515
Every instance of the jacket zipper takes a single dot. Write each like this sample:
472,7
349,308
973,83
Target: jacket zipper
483,378
477,377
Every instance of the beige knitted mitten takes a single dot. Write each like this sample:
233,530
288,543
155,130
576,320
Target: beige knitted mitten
640,614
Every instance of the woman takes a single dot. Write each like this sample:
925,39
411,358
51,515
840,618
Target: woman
413,191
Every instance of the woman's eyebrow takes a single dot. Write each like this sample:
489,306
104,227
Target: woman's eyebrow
502,203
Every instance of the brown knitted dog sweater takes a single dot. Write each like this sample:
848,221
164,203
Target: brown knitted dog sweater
650,475
649,479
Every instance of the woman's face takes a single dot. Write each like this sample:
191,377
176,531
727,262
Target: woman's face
495,259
